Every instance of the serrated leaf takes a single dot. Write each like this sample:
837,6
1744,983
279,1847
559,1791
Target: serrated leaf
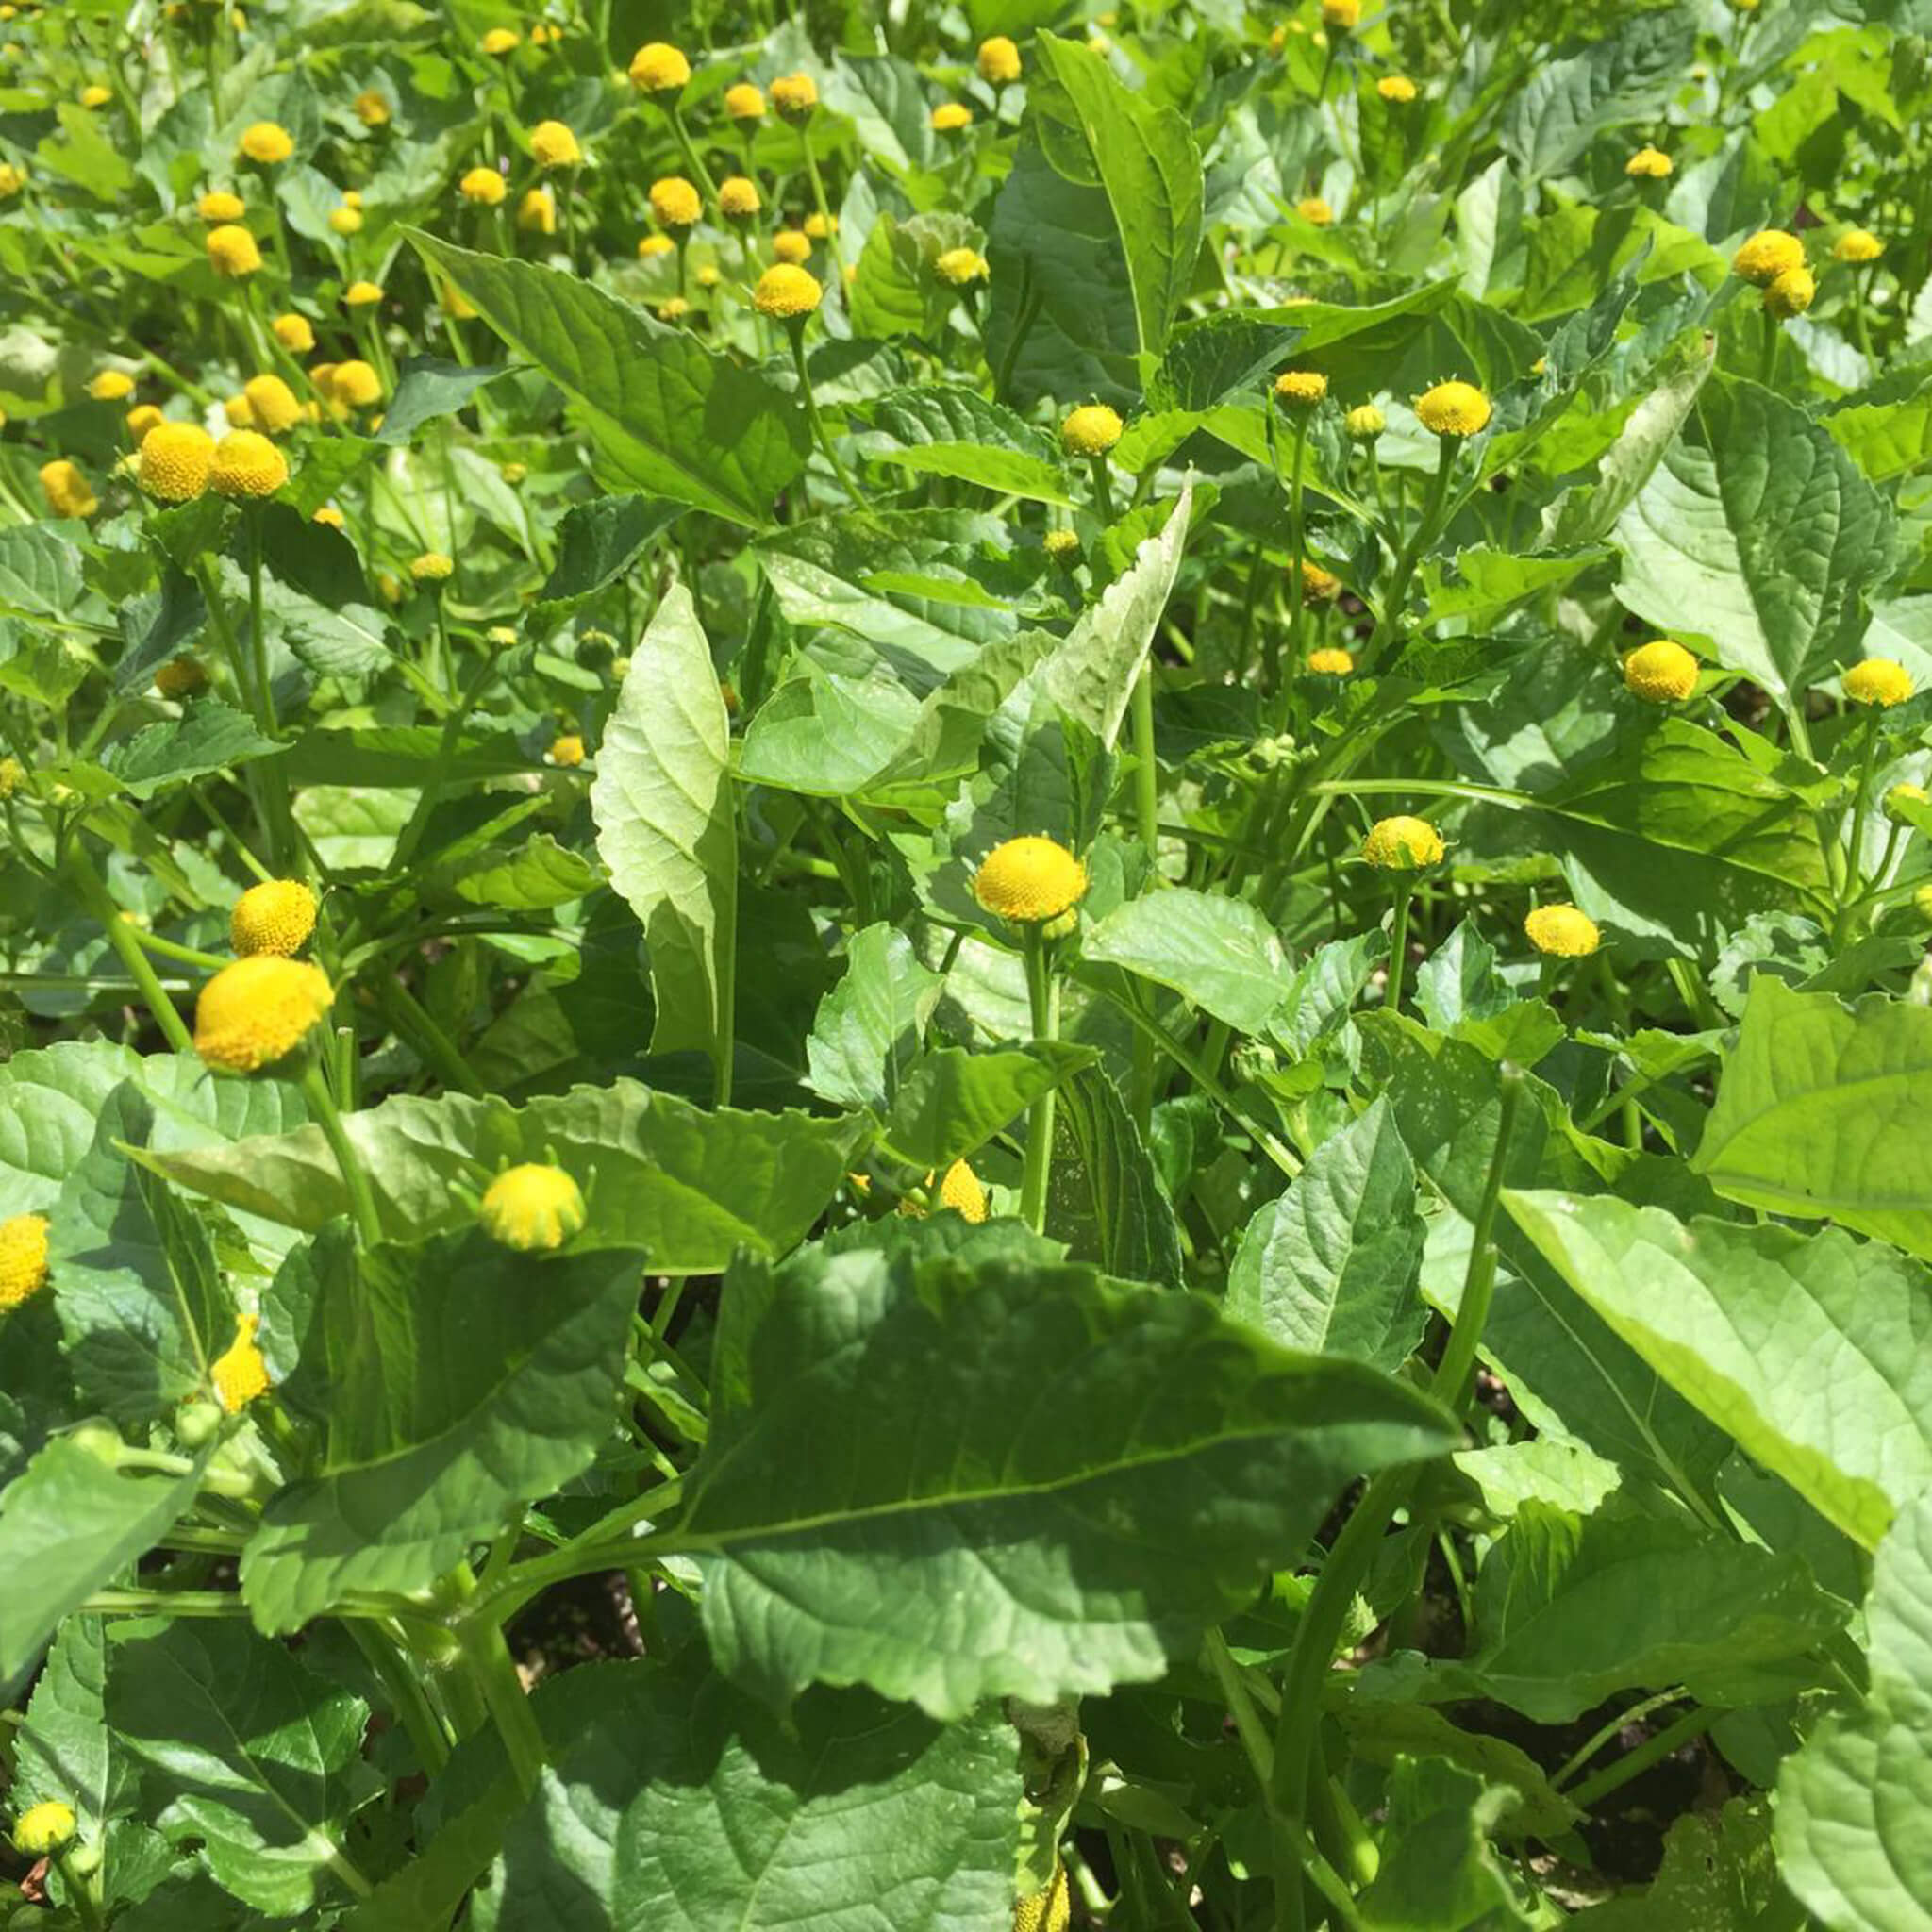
212,737
870,1026
1216,952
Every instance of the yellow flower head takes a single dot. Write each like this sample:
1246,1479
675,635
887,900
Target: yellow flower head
998,60
44,1827
112,386
1662,671
1314,210
486,186
329,516
1899,797
1340,16
658,69
537,211
795,96
1453,408
675,203
345,220
140,418
1300,388
275,917
532,1206
247,464
175,461
1878,681
1402,844
232,251
500,40
739,197
1331,660
294,333
1858,245
1790,294
793,246
274,403
372,109
353,383
1045,1912
12,179
96,95
240,412
949,117
363,294
267,142
1063,547
180,677
239,1373
67,490
1318,585
786,293
257,1011
1767,255
554,145
820,228
13,776
960,266
1365,421
23,1258
1562,932
745,102
432,567
652,246
566,751
1648,164
1397,88
961,1191
1091,430
1029,880
218,205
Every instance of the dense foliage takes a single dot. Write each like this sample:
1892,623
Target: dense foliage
963,967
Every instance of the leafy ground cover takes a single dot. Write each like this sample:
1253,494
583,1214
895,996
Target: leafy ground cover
964,966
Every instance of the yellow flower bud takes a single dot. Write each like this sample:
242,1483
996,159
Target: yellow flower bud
998,61
175,461
1648,164
1858,245
1029,880
658,69
247,464
266,142
484,186
1662,671
23,1258
44,1827
1767,255
67,490
232,251
531,1208
675,203
239,1373
274,403
1562,932
745,102
294,334
1878,681
795,96
1402,844
786,293
218,205
276,917
257,1013
1331,661
1453,408
1790,294
1300,388
553,145
738,197
949,117
1091,430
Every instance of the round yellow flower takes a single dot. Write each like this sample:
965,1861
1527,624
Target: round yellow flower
1063,547
180,677
793,246
140,418
257,1011
23,1258
432,567
1341,16
1045,1912
652,246
658,69
239,1373
500,40
13,776
353,383
795,96
708,275
345,221
267,142
673,308
1314,210
537,211
1320,585
232,251
330,517
96,95
786,293
12,179
1300,388
67,491
1453,408
675,203
486,186
1790,294
998,60
1331,661
960,266
1091,430
1029,880
553,145
218,205
294,333
532,1206
1858,245
240,412
175,461
1397,88
363,294
1767,255
566,751
110,386
1899,797
949,117
247,464
961,1191
745,102
1878,681
1365,421
1562,932
44,1827
821,228
274,403
372,109
276,917
1662,671
739,198
1648,164
1402,844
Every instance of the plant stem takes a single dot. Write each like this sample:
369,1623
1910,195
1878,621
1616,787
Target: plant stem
1043,998
399,1678
494,1674
1767,364
1102,487
823,440
1854,830
1633,1763
361,1200
1297,585
1147,828
1419,538
1598,1739
120,936
1398,944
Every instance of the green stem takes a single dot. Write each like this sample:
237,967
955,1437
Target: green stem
1042,998
1398,944
1606,1733
361,1200
120,936
1296,583
1767,365
1102,487
796,331
494,1674
1694,1722
1855,831
80,1892
398,1676
1419,538
1147,826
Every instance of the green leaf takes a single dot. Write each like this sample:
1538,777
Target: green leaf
1022,1480
679,422
899,290
598,541
1439,1872
1717,1871
1332,1265
1759,532
537,874
1818,1113
1563,104
428,387
1107,1202
1854,1805
870,1026
950,1101
39,572
71,1523
247,1754
1218,953
1737,1320
680,1802
954,431
212,737
665,828
464,1378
